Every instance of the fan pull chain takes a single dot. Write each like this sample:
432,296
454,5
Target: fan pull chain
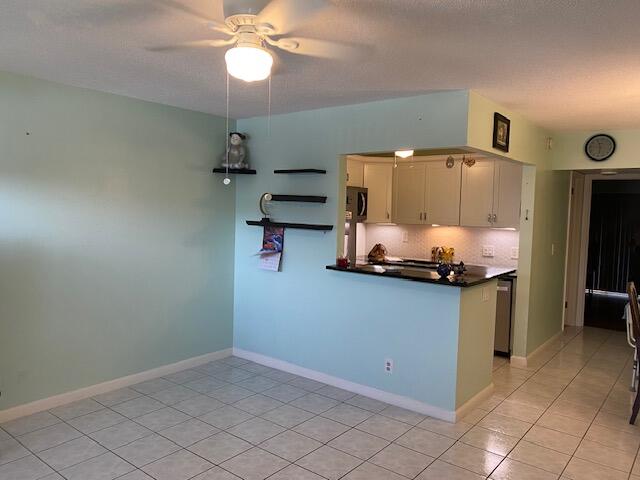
269,110
227,180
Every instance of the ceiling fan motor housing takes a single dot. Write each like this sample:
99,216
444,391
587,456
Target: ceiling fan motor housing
248,39
240,7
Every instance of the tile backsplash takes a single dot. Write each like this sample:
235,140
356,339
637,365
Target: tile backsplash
467,241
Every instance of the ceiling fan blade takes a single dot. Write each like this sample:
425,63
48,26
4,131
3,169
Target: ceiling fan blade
286,15
182,8
194,44
318,48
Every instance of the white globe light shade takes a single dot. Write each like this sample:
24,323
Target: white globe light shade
250,64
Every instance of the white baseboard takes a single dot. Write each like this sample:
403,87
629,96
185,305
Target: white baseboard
473,402
523,362
381,395
86,392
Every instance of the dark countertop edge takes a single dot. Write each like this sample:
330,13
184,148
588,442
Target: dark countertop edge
444,282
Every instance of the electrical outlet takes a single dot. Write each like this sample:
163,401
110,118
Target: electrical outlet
515,253
488,251
388,365
405,237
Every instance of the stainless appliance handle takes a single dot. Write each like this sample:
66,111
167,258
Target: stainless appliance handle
363,197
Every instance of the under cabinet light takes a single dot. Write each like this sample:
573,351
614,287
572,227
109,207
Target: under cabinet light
404,153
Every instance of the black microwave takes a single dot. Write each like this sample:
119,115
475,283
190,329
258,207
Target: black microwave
356,208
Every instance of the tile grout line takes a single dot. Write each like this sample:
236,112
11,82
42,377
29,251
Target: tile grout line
545,410
321,414
602,343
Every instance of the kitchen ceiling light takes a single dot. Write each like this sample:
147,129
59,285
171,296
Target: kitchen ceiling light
609,172
404,153
249,63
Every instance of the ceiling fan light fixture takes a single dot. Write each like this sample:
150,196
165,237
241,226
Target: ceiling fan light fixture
249,63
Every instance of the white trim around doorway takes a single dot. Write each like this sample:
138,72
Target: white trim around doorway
582,243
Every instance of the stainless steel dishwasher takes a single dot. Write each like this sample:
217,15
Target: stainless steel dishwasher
504,310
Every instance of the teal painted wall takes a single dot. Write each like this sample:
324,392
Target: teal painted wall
336,323
116,243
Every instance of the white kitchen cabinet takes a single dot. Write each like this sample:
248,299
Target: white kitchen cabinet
378,179
426,193
490,194
476,195
507,194
409,193
442,193
355,173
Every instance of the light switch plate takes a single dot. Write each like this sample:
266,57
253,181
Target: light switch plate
405,237
488,251
515,253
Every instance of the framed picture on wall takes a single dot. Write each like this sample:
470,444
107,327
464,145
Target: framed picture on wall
501,132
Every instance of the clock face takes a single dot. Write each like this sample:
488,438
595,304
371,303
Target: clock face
600,147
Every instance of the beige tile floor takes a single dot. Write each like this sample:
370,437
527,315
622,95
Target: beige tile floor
564,417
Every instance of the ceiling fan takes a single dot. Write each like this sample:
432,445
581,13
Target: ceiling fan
251,26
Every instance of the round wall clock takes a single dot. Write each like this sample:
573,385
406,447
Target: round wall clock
600,147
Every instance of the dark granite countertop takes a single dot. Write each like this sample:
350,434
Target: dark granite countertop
475,274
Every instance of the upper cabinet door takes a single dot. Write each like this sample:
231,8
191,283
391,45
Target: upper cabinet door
476,197
378,181
355,173
507,194
442,197
408,188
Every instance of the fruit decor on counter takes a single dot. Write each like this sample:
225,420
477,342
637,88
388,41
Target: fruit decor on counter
443,254
377,254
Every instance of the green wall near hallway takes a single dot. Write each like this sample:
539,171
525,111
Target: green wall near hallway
543,225
568,150
476,331
116,243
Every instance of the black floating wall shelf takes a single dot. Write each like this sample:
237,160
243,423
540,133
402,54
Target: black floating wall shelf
265,222
299,198
301,170
240,171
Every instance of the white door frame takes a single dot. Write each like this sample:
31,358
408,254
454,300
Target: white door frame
583,242
572,255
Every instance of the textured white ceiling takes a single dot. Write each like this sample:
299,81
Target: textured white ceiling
565,64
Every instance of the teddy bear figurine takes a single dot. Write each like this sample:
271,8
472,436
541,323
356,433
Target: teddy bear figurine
236,154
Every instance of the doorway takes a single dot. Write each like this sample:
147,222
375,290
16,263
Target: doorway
604,248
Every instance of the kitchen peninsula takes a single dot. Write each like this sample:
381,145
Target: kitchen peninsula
453,321
474,274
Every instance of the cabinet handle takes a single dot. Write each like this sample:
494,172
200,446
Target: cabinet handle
489,218
495,217
420,215
387,215
425,216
